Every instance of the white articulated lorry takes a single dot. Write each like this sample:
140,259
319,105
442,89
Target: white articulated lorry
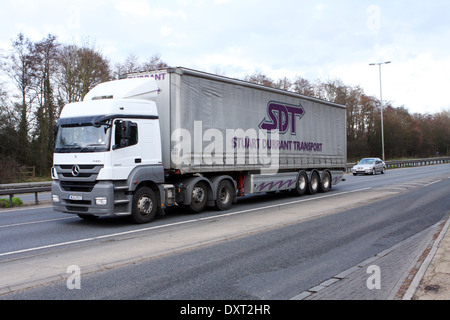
183,137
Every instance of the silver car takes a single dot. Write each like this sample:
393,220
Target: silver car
369,166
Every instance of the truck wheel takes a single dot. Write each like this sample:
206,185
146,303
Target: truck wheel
199,197
144,205
314,183
302,184
325,185
224,198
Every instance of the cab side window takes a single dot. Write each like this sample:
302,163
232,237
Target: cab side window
126,134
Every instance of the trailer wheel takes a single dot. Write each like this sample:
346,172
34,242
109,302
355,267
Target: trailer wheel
302,184
314,182
199,197
325,185
224,198
144,205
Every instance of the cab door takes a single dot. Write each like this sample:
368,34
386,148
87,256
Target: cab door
126,149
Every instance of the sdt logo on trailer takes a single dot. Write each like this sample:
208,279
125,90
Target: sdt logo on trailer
281,117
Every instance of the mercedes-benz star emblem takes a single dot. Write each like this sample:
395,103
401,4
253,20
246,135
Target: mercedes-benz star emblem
75,171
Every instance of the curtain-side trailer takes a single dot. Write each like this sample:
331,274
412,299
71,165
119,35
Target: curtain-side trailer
183,137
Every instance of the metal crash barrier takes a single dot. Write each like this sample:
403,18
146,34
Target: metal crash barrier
21,188
409,163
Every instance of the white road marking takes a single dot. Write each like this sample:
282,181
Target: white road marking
174,224
34,222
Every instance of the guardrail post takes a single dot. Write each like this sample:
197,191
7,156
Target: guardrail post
11,200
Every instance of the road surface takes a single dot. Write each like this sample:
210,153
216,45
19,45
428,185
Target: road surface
266,247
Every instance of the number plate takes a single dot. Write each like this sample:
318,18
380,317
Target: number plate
73,197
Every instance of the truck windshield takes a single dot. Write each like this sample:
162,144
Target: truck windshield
83,138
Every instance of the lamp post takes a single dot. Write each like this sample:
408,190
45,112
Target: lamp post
381,102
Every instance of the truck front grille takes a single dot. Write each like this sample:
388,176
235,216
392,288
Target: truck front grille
77,209
73,177
80,175
79,202
73,186
82,166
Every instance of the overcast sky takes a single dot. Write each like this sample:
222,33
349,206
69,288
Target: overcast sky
315,39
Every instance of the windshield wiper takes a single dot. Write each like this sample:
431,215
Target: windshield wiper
71,146
67,147
92,145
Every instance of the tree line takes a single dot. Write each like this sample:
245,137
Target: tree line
37,80
406,135
40,77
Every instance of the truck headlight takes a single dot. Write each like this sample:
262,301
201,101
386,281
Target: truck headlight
55,198
54,173
101,201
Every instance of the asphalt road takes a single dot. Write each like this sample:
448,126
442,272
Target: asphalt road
276,263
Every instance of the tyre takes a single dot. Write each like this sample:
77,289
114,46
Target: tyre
302,184
314,182
224,198
199,197
144,205
325,184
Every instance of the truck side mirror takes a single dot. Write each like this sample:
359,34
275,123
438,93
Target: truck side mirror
126,129
55,133
126,134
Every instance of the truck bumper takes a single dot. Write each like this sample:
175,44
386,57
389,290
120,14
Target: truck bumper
99,201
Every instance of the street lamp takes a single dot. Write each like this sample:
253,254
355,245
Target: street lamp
381,102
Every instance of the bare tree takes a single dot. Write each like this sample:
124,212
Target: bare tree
260,78
303,86
94,69
45,54
132,64
68,75
80,69
9,146
20,68
283,84
154,63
